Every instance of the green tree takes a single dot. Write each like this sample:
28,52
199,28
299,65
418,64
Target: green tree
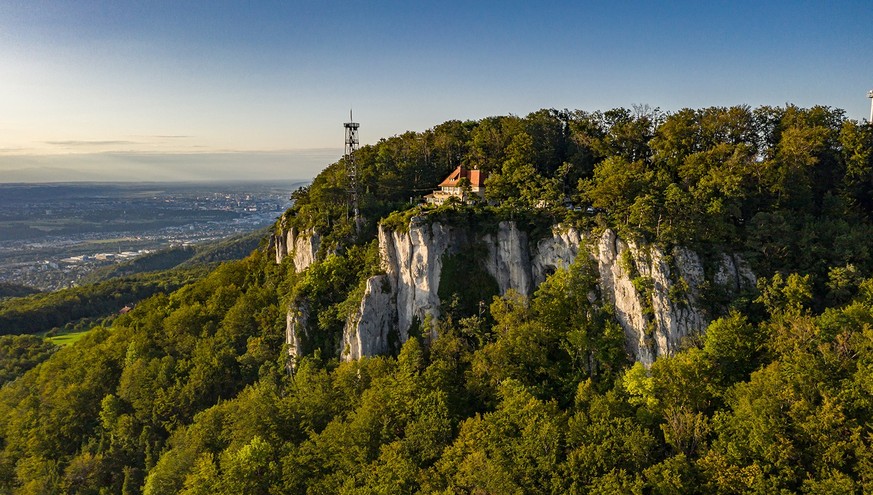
789,296
514,449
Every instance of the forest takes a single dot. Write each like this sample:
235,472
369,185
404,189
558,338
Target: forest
191,391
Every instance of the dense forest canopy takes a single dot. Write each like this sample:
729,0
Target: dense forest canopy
790,188
189,393
736,177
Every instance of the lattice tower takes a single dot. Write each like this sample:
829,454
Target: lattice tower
352,166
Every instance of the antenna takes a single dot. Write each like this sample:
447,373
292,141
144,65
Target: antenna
870,95
352,166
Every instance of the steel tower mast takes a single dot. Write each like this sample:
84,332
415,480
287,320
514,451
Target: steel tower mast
352,166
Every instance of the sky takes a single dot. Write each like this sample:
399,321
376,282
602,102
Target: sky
193,90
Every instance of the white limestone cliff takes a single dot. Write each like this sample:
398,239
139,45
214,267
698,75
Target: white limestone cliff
508,259
372,322
295,331
668,309
654,321
413,264
557,251
303,249
301,246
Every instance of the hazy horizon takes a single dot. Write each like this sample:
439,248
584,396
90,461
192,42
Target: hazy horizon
299,165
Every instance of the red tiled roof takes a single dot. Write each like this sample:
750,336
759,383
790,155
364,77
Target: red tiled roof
475,176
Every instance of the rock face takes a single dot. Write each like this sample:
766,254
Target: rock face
413,263
372,322
655,296
508,259
303,249
295,329
557,251
733,272
301,246
656,302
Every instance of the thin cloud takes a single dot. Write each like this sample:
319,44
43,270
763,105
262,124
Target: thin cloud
210,151
90,143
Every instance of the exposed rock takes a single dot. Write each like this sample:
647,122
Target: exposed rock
277,243
303,249
367,330
302,246
734,273
675,311
655,296
295,330
617,287
675,298
413,263
508,259
557,251
413,266
656,320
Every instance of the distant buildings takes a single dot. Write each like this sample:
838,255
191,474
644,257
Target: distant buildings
462,183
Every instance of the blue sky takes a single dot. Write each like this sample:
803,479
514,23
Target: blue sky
157,90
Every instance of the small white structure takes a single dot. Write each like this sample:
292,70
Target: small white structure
870,95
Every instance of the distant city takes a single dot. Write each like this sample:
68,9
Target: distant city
52,235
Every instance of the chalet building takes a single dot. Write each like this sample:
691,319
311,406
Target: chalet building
453,187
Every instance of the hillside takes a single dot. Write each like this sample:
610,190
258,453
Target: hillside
106,291
511,372
15,290
232,248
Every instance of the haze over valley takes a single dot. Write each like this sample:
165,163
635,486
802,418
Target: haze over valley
52,235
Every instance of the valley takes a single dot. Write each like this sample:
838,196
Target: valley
54,235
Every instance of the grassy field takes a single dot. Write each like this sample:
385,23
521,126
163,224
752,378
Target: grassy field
66,339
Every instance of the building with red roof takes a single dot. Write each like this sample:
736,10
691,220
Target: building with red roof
453,186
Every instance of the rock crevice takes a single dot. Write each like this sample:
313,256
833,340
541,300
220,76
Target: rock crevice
301,246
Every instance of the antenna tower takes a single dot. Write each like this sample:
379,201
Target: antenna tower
352,166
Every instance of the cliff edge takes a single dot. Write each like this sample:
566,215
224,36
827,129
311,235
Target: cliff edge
656,296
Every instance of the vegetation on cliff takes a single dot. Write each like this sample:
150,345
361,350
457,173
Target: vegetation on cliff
189,393
788,187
